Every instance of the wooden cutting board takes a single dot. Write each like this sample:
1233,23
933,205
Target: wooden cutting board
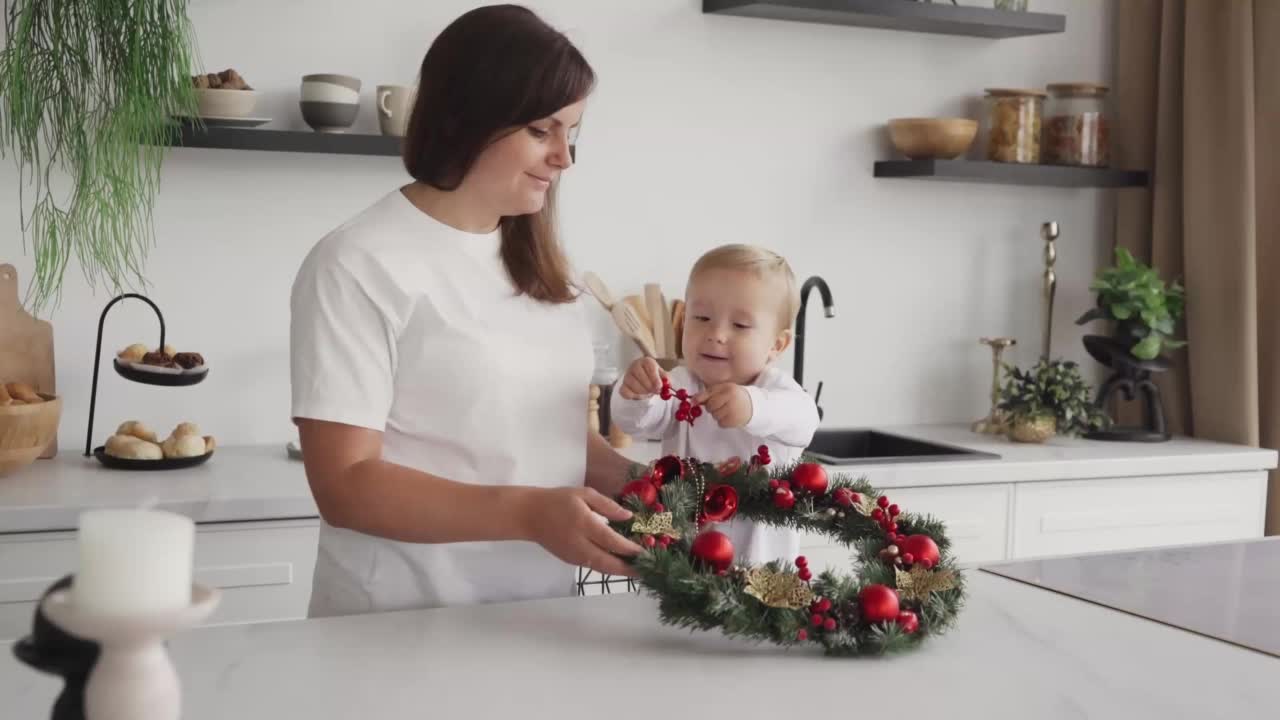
26,344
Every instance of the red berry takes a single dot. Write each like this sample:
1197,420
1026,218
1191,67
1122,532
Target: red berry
763,449
696,411
650,541
666,541
774,485
680,415
843,497
824,605
816,620
908,621
682,394
785,484
908,558
666,393
894,510
659,507
829,624
802,561
899,538
802,635
784,498
877,515
882,501
804,574
893,527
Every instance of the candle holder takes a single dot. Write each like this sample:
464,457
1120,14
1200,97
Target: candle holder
53,650
995,421
133,678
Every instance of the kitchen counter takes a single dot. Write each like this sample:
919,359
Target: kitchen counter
1061,458
237,484
1017,652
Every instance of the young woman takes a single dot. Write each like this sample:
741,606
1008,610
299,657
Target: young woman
440,361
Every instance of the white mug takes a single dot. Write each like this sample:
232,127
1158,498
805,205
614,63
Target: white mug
395,104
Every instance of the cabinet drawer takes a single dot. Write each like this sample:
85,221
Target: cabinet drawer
263,569
976,518
1060,518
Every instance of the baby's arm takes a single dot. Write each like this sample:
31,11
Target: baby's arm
781,410
634,405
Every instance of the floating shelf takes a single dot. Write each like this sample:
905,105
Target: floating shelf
297,141
1010,173
905,15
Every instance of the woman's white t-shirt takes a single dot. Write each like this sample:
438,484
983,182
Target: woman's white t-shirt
413,328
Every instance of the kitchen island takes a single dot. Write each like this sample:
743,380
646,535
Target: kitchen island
1018,651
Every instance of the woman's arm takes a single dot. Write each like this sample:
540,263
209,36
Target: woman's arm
356,489
607,469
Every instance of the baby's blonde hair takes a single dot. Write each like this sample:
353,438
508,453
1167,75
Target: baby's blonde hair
760,262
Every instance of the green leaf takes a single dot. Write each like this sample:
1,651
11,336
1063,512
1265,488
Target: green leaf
1148,348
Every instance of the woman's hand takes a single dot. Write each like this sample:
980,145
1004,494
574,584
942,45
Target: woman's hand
568,523
644,379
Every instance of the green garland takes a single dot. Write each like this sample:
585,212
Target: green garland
781,602
89,88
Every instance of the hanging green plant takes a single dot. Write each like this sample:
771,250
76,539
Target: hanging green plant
87,91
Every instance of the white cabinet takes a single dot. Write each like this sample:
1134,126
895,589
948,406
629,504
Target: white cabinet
1079,516
263,569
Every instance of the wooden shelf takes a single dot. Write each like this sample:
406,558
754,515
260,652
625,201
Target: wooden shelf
1010,173
905,15
298,141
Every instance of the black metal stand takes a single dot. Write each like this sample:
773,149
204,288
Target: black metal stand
588,577
52,650
1131,376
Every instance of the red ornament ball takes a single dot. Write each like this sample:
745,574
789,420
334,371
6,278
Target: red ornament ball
922,548
882,501
713,548
843,497
816,620
650,541
829,624
643,489
809,477
667,469
908,621
720,503
784,498
879,603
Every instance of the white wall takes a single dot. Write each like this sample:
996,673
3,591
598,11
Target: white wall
703,130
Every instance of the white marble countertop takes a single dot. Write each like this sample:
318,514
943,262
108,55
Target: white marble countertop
239,483
1061,458
1017,652
259,482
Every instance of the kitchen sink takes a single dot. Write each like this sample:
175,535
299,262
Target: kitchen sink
859,446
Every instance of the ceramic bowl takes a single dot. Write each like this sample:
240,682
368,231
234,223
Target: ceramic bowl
329,101
218,103
925,138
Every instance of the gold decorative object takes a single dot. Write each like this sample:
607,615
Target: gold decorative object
994,422
778,589
655,524
1034,429
1049,231
918,583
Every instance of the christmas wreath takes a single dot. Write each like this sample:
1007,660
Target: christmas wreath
906,586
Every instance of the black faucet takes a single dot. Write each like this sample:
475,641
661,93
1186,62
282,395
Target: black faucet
829,310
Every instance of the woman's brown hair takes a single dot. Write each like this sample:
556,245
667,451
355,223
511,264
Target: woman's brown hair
492,69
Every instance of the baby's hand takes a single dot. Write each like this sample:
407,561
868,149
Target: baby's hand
728,403
644,378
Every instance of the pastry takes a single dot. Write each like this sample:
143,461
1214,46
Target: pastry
159,359
23,392
188,360
129,447
186,428
169,350
133,353
182,446
209,444
137,430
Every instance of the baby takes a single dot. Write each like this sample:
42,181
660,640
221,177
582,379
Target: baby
739,306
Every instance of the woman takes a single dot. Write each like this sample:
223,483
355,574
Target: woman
440,363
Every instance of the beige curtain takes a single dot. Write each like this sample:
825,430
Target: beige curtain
1198,103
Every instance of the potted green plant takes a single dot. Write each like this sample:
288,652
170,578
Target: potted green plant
1143,308
88,91
1049,398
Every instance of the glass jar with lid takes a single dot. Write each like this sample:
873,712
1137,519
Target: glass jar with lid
1013,125
1077,130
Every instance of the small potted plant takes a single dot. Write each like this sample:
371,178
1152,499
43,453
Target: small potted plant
1049,398
1143,308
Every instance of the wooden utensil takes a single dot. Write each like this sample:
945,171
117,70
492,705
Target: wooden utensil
625,317
658,311
677,326
26,345
598,289
642,310
668,328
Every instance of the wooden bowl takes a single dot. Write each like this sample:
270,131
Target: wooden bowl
926,138
26,430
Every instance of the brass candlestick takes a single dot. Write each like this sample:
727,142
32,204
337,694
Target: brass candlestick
994,423
1049,231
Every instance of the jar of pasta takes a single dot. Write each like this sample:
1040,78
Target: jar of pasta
1013,125
1077,130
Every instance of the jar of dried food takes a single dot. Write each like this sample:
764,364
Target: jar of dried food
1013,125
1077,130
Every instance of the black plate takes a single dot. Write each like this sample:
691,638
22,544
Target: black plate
155,378
165,464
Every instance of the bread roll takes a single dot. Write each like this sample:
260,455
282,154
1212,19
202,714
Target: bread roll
138,430
129,447
133,353
181,446
186,428
23,392
209,443
169,350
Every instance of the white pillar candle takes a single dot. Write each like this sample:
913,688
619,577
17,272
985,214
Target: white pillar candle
133,562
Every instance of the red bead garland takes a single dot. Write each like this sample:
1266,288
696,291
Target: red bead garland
686,411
